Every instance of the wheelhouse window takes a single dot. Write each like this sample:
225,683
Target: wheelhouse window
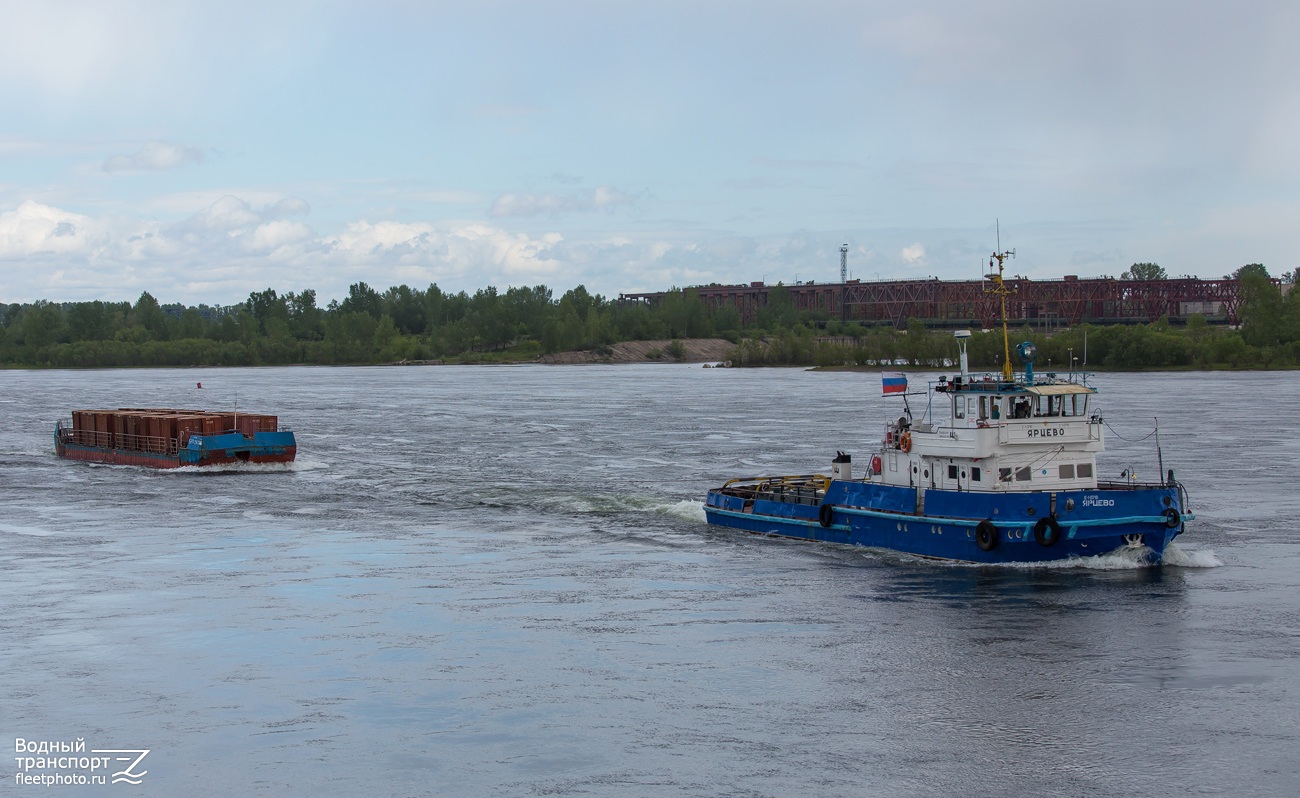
1084,470
975,474
1066,471
1004,475
958,407
1023,474
952,472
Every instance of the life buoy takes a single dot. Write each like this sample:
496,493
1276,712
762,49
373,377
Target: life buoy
1172,518
1047,531
986,535
875,464
905,442
826,514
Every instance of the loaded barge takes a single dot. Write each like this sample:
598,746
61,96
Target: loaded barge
171,438
1002,469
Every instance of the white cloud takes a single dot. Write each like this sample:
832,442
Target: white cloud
229,216
228,248
461,250
154,156
913,255
278,234
609,197
288,206
365,240
36,229
522,205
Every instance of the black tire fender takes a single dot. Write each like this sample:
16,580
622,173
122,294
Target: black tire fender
1173,518
986,535
1047,531
826,514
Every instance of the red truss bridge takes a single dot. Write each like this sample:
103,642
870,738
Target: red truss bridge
1067,301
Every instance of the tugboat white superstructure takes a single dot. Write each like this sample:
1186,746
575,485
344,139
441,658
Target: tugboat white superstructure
1004,470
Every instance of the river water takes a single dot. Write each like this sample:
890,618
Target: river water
484,581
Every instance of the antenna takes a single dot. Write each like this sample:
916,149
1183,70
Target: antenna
1002,291
844,263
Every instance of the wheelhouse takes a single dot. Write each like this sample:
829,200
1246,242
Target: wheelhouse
983,433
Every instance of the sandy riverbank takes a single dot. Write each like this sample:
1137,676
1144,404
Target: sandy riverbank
695,350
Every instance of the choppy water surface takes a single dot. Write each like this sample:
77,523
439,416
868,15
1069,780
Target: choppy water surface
498,581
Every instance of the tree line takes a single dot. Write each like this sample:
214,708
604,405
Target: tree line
367,326
521,323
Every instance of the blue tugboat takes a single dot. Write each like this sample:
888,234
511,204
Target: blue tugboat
1003,470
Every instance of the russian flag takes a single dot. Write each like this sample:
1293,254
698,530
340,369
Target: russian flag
890,385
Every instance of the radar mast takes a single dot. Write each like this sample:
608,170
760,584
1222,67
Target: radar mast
1001,290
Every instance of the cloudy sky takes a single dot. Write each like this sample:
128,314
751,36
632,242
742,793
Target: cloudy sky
201,151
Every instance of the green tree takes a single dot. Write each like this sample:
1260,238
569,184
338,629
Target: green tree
685,314
1145,271
149,316
362,298
1261,308
581,301
565,330
351,336
305,319
89,321
530,308
269,310
41,325
191,324
779,310
1251,269
407,308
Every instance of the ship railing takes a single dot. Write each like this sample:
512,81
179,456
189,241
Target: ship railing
801,489
249,432
119,440
1130,485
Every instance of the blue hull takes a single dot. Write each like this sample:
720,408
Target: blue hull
951,524
209,450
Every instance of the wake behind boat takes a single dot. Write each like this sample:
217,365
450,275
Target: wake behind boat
1003,470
